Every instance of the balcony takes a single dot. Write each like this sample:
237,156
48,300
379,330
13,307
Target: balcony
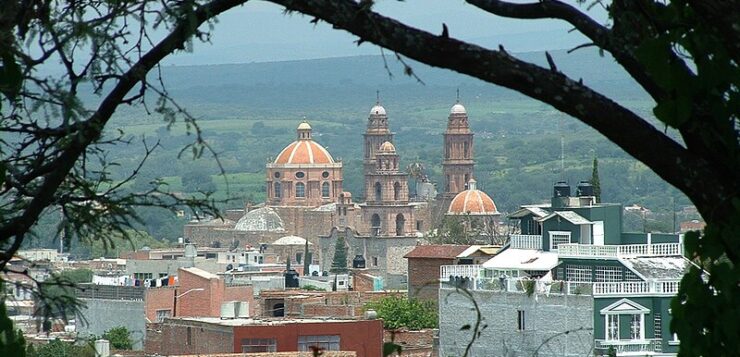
619,251
525,241
658,287
629,347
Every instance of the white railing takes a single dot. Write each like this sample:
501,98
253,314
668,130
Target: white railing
669,287
463,271
617,251
631,346
526,241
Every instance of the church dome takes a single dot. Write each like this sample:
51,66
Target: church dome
473,202
458,109
263,219
377,109
387,148
291,240
304,150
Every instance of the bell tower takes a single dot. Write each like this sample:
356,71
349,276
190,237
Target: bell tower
457,166
376,134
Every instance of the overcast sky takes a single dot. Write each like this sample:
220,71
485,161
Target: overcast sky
260,32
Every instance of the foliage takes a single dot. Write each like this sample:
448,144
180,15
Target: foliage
339,264
595,181
198,181
58,293
309,287
119,338
401,312
118,244
12,342
57,347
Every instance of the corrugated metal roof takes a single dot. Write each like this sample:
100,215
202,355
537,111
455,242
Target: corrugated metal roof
657,267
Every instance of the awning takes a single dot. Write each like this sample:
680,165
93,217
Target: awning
523,259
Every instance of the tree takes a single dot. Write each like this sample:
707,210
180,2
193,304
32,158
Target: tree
401,312
339,264
595,180
119,338
685,55
198,180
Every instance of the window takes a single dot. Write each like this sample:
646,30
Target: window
300,190
465,151
558,238
636,327
400,223
375,261
300,174
612,327
276,175
259,345
325,342
520,323
278,190
396,191
378,192
142,276
163,314
375,224
189,336
630,276
325,174
325,189
419,225
578,273
608,274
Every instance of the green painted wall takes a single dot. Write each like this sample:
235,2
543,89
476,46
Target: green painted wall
656,305
610,214
558,223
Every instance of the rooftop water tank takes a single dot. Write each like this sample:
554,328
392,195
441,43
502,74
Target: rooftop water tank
561,189
358,262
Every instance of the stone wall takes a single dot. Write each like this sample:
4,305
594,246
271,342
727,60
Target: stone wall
100,315
558,325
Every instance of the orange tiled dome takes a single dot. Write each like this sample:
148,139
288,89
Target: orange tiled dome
472,201
304,152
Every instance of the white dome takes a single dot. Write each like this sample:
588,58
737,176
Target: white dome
263,219
377,110
291,240
458,109
304,126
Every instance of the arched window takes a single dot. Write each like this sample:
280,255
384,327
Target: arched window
400,223
396,191
465,149
375,225
278,190
325,189
300,190
378,192
447,183
467,178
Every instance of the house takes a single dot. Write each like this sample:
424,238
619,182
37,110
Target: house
572,283
209,335
423,268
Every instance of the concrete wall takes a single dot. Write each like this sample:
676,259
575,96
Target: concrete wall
546,319
100,315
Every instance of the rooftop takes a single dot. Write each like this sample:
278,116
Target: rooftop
659,268
262,321
436,251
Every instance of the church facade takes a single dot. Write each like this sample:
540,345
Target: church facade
305,198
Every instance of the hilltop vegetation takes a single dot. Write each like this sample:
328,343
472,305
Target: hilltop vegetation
248,113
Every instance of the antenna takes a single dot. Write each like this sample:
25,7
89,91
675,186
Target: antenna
562,149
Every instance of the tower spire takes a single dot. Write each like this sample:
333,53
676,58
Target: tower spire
458,95
377,96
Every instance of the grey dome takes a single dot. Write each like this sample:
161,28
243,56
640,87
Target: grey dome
263,219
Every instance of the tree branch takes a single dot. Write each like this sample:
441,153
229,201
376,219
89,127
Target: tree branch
674,163
92,130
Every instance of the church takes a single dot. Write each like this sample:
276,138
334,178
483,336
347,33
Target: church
305,198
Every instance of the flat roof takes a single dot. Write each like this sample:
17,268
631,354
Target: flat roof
523,259
262,322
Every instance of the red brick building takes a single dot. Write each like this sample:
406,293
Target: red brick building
424,262
182,336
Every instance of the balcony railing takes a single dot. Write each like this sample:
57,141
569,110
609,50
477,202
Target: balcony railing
624,347
668,287
619,251
463,271
526,241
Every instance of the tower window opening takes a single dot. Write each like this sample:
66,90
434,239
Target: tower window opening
300,190
378,192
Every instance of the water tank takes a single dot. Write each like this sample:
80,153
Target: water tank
291,279
228,310
371,314
190,251
102,348
358,262
242,309
584,189
561,189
